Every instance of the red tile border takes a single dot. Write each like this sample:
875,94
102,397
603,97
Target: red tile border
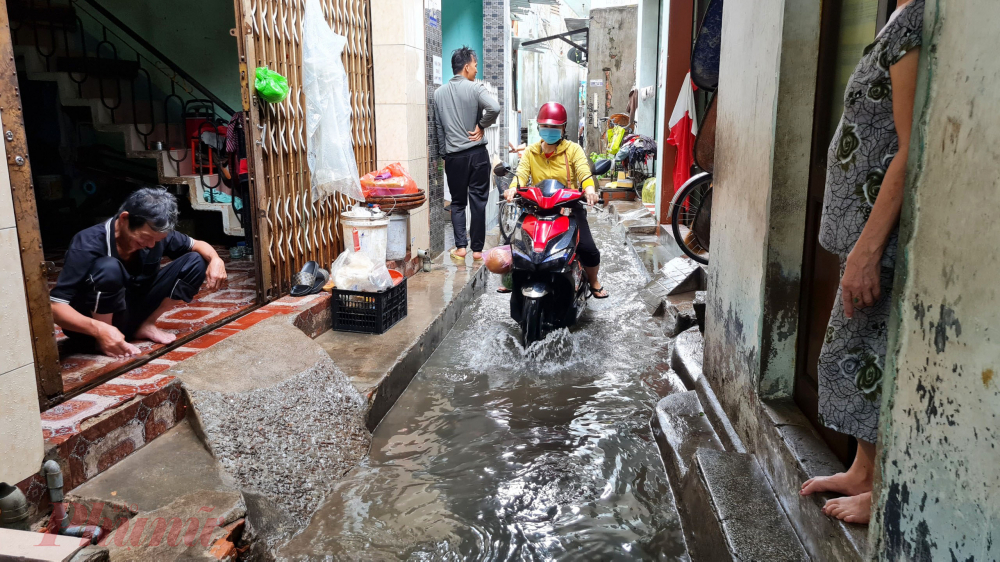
84,448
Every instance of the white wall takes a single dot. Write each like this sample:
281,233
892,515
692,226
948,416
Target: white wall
664,106
401,98
21,445
648,47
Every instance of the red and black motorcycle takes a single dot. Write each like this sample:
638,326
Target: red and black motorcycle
549,286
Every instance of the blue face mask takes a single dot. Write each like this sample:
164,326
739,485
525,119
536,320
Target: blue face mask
550,136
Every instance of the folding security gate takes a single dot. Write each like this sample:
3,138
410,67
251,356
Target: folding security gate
289,227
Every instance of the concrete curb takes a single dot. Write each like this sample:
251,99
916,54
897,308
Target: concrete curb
411,359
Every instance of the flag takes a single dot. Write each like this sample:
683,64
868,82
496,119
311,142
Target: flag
683,130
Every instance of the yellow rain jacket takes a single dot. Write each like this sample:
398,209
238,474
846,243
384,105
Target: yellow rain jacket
568,164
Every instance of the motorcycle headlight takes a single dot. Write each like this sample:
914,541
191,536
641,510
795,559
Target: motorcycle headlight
557,255
527,242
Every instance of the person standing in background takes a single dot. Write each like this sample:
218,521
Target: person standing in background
463,110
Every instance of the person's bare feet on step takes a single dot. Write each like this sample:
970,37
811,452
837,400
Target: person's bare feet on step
841,483
852,509
150,332
477,256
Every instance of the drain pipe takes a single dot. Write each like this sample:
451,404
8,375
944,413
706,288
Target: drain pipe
425,260
59,522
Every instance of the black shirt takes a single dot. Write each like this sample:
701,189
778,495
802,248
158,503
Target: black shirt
99,241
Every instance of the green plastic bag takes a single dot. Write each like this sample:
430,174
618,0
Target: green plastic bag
649,191
271,86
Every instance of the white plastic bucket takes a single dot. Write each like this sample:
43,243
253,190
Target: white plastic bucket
371,230
396,248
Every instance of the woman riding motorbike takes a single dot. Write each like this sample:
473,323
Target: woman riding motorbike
555,157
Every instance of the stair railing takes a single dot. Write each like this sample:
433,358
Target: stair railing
87,41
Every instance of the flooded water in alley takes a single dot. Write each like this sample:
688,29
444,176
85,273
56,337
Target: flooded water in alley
495,452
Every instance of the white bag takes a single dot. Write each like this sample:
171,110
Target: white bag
330,150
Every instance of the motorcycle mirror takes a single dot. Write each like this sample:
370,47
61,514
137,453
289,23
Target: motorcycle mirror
501,169
601,167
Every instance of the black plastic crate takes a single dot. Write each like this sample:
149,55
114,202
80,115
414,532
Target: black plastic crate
368,313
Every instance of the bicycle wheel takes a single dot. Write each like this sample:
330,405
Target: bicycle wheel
691,217
509,213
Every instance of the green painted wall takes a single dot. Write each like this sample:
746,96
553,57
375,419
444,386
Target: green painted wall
461,24
194,34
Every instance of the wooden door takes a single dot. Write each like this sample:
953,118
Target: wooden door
289,227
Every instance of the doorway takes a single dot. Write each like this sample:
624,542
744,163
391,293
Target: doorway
847,27
115,96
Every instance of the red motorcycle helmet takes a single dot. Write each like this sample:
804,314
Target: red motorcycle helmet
553,114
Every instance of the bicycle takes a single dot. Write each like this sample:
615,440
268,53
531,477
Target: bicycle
691,217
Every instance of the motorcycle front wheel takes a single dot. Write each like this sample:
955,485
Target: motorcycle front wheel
531,321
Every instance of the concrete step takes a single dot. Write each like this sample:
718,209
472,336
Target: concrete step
727,508
681,429
791,452
795,452
753,523
173,477
686,359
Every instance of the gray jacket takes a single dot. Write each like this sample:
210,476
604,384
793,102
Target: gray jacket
459,106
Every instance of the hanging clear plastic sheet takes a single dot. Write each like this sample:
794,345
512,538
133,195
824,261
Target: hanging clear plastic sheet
328,109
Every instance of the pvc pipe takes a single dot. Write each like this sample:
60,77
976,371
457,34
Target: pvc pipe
59,523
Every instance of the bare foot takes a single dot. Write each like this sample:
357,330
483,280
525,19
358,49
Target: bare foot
152,333
477,256
840,483
459,253
852,509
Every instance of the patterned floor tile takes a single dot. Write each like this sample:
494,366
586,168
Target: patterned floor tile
237,293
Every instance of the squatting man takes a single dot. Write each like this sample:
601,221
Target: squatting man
112,288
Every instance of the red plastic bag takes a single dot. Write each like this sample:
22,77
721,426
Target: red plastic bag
391,180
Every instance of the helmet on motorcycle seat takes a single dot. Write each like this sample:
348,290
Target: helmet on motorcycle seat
553,114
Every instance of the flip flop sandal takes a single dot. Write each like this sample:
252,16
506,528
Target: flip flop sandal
302,282
322,276
603,289
504,290
455,256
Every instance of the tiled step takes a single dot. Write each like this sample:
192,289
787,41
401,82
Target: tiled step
196,195
752,521
94,431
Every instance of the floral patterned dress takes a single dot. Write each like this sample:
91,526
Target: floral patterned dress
853,354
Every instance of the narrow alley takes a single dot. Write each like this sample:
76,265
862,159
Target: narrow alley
499,280
495,452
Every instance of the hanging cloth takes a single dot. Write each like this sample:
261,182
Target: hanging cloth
683,130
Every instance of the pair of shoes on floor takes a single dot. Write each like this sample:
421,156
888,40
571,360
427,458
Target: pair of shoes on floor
309,280
215,196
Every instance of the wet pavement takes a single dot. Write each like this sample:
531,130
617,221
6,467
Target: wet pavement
495,452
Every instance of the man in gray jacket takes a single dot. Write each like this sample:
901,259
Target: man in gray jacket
463,110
